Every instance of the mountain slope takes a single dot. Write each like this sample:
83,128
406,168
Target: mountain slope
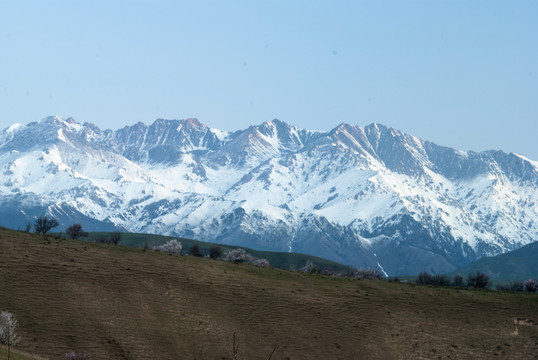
520,264
368,197
114,302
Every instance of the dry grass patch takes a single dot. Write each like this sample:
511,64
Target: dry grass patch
122,303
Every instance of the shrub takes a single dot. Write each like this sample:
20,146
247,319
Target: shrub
74,356
530,285
516,286
368,273
513,286
440,280
102,240
173,247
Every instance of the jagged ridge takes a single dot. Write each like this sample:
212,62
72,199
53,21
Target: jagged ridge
371,196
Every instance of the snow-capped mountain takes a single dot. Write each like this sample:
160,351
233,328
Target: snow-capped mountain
371,196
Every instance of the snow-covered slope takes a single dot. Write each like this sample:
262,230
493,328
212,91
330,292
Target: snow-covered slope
371,196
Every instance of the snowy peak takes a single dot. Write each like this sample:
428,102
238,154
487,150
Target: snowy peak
165,141
366,196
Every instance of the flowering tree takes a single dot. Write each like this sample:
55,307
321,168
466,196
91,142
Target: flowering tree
8,323
530,285
76,356
262,263
236,255
173,247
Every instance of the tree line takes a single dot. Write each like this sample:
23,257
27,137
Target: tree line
477,280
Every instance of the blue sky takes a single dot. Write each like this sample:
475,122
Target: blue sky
462,74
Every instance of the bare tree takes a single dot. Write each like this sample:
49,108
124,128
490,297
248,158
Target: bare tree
195,251
8,323
75,231
43,224
215,252
424,278
478,280
457,280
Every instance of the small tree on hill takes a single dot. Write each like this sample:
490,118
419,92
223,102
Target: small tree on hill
262,263
43,224
75,231
173,247
478,280
8,323
236,255
195,251
215,252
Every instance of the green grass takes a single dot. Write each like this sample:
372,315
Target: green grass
116,302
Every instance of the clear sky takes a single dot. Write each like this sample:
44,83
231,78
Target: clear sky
462,74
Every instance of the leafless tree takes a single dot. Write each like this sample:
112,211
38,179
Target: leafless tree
478,280
195,251
75,231
215,252
43,224
457,280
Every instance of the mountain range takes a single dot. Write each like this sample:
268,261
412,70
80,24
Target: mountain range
368,196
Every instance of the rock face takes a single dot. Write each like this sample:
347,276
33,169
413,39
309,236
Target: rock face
371,196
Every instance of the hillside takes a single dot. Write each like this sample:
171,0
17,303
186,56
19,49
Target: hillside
519,264
125,303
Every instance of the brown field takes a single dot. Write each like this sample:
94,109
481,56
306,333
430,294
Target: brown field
124,303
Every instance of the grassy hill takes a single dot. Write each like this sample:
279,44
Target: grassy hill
116,302
519,264
283,260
